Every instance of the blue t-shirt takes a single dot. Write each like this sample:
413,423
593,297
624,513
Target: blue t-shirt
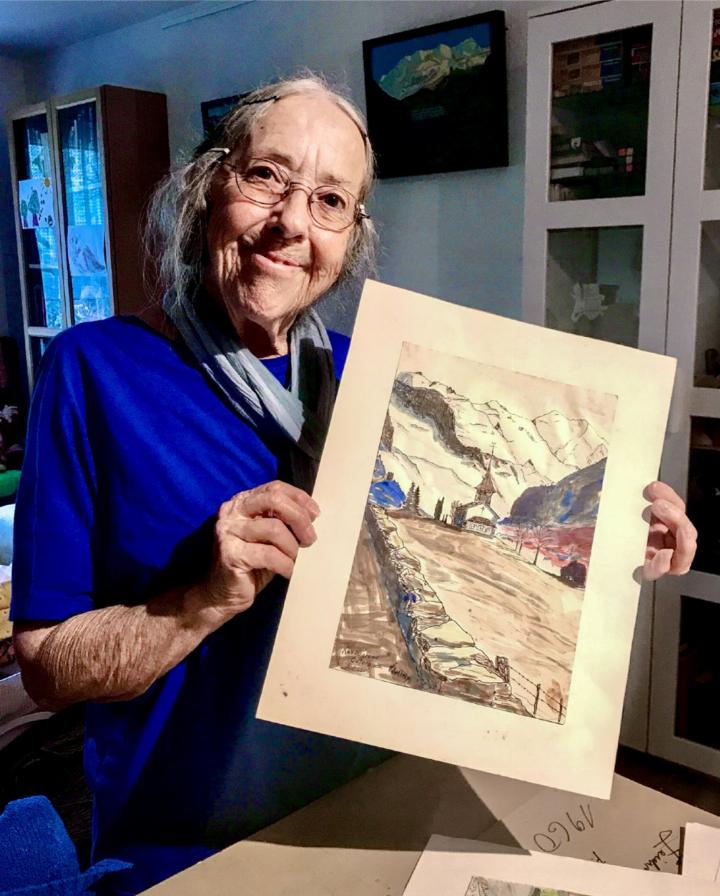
130,454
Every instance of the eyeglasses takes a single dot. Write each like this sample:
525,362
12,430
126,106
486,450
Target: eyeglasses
266,183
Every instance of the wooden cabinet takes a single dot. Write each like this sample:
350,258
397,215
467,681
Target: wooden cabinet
83,169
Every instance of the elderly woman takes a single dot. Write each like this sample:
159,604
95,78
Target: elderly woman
166,490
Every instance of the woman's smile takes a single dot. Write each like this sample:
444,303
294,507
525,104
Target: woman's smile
269,262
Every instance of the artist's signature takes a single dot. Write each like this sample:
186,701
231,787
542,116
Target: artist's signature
664,852
358,658
398,673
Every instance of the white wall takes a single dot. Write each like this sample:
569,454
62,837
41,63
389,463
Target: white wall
457,236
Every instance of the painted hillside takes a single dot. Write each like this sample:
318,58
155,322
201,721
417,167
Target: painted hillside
576,498
442,440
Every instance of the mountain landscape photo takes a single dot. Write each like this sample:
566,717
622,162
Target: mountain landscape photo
471,566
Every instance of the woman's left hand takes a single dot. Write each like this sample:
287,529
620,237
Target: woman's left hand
673,538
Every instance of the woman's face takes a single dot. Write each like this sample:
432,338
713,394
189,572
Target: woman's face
267,264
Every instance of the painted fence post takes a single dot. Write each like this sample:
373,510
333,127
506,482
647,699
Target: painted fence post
502,665
537,699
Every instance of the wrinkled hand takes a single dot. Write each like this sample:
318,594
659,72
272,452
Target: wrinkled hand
257,535
673,538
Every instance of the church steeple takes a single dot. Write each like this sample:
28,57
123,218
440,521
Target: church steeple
486,489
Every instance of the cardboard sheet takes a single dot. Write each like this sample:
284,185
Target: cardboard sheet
637,828
465,868
701,852
451,607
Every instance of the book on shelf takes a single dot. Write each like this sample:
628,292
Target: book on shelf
599,170
561,160
589,170
568,171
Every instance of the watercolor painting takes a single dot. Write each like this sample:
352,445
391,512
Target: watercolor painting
35,201
213,111
86,249
481,886
470,569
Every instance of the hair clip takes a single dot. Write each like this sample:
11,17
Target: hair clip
268,99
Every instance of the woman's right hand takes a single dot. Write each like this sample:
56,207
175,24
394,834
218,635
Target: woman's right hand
257,535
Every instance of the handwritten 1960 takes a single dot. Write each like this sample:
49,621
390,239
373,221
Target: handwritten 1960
559,832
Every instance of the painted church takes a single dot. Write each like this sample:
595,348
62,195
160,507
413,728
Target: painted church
478,516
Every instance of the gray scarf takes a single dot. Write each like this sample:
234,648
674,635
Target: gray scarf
300,415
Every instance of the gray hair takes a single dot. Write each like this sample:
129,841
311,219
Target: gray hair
174,237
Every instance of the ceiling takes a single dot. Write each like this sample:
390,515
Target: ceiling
33,26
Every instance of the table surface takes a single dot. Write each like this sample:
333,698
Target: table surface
363,839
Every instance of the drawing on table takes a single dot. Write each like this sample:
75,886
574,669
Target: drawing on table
481,886
470,569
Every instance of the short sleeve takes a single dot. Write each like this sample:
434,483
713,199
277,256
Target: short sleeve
52,576
340,346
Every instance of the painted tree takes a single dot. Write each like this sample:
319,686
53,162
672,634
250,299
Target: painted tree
409,503
439,508
521,532
542,536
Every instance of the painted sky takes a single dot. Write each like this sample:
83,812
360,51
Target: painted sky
384,58
521,394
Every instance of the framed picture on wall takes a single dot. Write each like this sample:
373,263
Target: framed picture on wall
213,111
437,97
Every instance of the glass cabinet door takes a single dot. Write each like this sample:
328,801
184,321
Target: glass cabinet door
602,81
599,115
84,212
712,133
594,282
707,328
698,673
36,206
703,491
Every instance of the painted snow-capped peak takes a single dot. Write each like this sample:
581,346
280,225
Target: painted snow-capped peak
572,440
427,69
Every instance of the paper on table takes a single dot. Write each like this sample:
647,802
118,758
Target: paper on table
468,868
701,852
637,828
451,686
500,795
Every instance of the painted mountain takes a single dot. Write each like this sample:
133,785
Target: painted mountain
439,102
427,69
443,440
